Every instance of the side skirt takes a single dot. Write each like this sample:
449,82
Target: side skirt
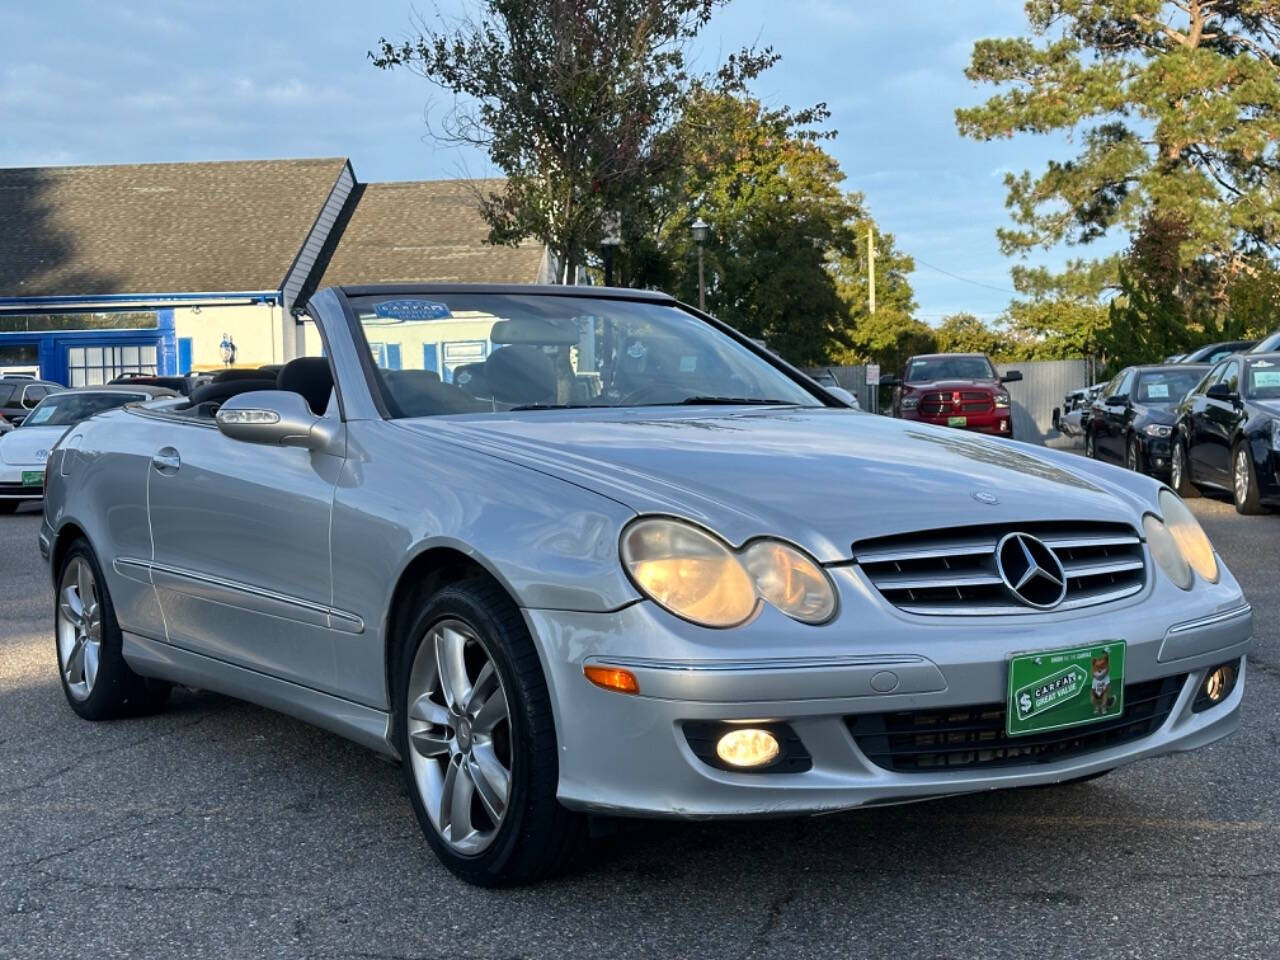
364,725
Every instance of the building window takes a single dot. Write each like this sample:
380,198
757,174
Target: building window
92,366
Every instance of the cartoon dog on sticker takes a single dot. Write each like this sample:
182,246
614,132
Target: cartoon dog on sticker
1100,689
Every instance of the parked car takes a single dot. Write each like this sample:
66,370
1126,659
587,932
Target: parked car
20,394
954,390
827,380
23,451
1268,344
638,567
1069,418
178,384
1214,352
1227,435
1132,419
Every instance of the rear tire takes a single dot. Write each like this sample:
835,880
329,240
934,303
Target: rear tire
466,659
1090,445
1244,482
97,682
1180,472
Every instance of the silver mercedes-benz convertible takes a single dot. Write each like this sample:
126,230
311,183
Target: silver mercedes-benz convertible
579,551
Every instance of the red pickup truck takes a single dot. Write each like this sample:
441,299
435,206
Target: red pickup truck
954,390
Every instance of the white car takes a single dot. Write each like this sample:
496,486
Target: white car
25,448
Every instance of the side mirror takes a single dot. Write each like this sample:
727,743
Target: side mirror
278,418
1117,400
1013,376
1220,391
890,380
844,396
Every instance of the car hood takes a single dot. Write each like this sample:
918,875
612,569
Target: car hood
928,386
1155,413
822,477
28,446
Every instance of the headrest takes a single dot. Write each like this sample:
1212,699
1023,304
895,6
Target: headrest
521,374
311,377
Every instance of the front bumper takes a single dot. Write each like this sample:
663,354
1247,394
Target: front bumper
629,755
1155,455
998,423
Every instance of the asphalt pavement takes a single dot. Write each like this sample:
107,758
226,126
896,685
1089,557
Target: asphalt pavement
218,829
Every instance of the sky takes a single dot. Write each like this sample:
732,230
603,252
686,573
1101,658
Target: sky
128,81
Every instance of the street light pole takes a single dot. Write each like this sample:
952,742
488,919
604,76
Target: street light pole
701,230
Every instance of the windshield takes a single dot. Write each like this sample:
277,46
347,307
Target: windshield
1164,387
925,369
1264,380
492,353
68,409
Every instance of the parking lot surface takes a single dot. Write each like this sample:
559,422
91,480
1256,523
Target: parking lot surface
217,829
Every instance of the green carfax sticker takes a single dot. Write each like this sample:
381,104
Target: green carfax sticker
32,478
1054,689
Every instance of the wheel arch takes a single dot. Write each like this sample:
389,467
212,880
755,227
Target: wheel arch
66,535
431,567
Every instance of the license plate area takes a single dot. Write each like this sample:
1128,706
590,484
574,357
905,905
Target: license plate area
1072,687
957,421
33,478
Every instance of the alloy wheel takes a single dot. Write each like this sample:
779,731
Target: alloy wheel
1131,456
459,736
1241,475
79,628
1176,467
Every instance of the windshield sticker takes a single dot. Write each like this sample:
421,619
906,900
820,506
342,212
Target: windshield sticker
1266,378
43,414
411,310
1158,391
688,364
637,350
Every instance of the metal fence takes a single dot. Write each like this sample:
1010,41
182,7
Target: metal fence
1042,387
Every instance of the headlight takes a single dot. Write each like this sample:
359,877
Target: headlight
1002,400
1157,430
1275,435
1189,536
689,572
1166,552
695,575
790,581
910,403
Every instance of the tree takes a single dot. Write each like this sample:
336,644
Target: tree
780,224
889,338
1175,105
965,333
571,99
1061,315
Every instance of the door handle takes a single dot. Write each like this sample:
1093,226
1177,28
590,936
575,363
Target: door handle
166,460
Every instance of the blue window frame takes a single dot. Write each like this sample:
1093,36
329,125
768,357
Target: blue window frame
430,357
393,356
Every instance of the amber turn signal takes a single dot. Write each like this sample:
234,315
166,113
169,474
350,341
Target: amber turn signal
612,678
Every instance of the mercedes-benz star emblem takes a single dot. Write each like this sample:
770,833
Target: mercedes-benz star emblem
985,496
1031,571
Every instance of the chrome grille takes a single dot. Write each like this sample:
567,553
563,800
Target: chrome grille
954,571
955,401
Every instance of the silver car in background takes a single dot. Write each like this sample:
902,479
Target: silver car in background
578,551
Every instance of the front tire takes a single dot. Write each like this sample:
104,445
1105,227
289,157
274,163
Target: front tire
1090,445
1180,472
1132,459
97,682
475,729
1244,482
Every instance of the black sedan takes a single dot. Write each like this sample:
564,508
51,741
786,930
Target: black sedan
1133,417
1213,352
1227,435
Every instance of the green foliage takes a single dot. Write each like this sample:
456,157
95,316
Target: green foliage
784,238
572,99
1174,104
1061,315
965,333
889,338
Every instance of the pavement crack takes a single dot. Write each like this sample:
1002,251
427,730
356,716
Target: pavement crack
79,847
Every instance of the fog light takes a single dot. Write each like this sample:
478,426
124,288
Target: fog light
1217,686
747,747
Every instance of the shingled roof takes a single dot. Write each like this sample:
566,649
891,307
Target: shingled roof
157,227
422,231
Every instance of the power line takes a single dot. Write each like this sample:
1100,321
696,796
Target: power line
956,276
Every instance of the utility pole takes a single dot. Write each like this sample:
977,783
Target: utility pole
871,267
